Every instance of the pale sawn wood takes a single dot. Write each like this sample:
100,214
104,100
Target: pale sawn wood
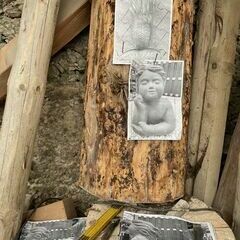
216,99
236,210
225,197
74,16
26,90
205,33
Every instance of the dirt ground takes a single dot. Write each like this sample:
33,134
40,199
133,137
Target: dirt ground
55,168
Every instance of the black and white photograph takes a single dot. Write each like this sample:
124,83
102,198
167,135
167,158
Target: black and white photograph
49,230
136,226
155,100
142,30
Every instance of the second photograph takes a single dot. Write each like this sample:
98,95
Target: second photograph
155,100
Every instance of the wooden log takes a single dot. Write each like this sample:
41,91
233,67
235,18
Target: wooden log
225,197
112,167
27,83
216,99
73,17
204,40
236,210
221,228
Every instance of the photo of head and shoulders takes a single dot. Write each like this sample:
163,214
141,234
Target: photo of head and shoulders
140,226
155,102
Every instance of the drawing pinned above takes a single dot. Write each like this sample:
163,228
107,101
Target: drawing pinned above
155,100
142,30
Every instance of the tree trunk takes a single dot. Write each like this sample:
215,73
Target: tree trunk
225,197
27,83
112,167
73,17
216,99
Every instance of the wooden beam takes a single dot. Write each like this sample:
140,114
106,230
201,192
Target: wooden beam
225,197
216,98
236,210
27,83
73,17
203,44
112,167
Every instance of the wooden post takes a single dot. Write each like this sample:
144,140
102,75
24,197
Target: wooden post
225,197
73,17
236,211
203,44
112,167
216,98
27,83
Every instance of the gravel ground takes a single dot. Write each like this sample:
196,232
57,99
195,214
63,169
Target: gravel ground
55,168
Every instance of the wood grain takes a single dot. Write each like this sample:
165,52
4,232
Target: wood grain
216,99
73,17
27,83
112,167
225,197
236,209
222,230
205,33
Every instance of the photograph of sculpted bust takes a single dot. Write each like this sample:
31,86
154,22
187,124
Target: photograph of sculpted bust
154,112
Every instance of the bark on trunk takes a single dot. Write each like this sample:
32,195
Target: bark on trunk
112,167
22,110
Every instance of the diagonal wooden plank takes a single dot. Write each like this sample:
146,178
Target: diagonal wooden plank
27,84
73,17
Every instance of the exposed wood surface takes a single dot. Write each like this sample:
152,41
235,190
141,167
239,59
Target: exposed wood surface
203,43
216,99
112,167
236,210
222,230
61,210
225,197
73,17
26,90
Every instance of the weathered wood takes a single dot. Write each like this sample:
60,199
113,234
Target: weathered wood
27,83
112,167
222,230
236,210
73,17
204,40
225,197
216,99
